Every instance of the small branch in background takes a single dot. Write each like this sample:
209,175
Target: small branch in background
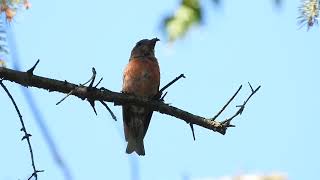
26,134
36,112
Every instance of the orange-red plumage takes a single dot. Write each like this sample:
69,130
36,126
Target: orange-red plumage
142,78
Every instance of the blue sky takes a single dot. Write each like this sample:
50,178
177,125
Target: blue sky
239,42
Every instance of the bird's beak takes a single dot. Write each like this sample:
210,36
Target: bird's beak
154,41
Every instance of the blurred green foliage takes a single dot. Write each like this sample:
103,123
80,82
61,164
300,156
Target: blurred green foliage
189,13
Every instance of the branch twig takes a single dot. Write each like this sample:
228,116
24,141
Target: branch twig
24,130
109,110
192,130
158,95
226,122
30,71
172,82
81,85
225,106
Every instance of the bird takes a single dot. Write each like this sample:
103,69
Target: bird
141,78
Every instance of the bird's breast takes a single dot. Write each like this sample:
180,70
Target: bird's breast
142,78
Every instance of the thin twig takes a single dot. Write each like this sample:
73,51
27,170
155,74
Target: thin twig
81,85
192,130
225,106
30,71
172,82
26,134
110,111
226,123
65,97
158,95
91,102
162,98
94,73
90,88
98,82
252,93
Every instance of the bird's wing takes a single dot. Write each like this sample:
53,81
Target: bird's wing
126,120
147,122
128,115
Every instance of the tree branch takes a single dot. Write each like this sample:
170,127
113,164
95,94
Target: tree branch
24,130
102,94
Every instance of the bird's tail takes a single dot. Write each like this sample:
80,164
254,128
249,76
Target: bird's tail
134,145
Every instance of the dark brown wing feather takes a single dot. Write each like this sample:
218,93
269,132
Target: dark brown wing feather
147,122
126,120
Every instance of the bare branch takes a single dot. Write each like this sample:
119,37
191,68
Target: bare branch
23,129
103,94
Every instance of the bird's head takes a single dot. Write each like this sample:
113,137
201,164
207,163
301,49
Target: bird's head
144,48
